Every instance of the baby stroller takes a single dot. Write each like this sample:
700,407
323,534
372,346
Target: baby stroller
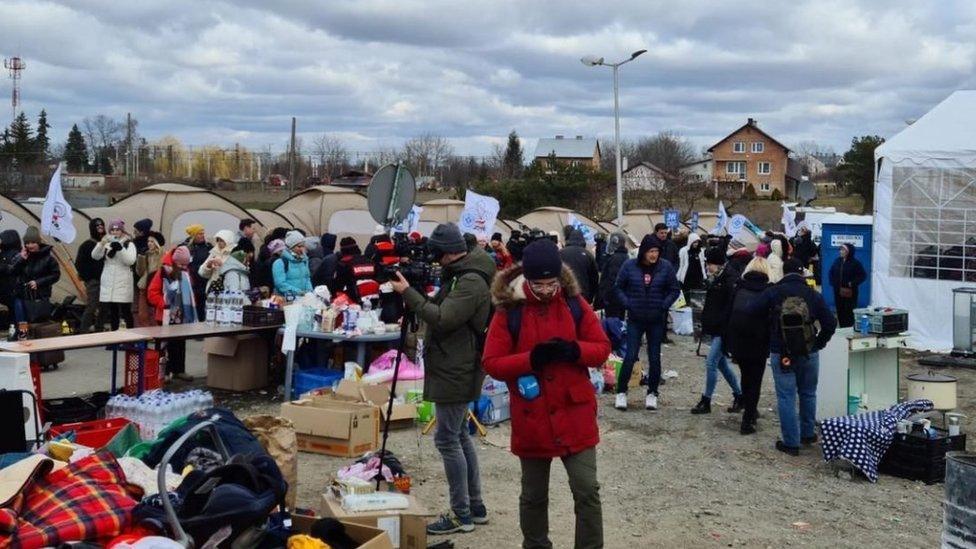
225,505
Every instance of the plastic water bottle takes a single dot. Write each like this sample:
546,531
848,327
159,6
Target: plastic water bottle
864,326
211,309
223,306
239,309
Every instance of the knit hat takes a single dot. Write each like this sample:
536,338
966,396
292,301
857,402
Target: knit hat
447,238
293,238
348,246
195,229
276,246
181,256
541,260
792,266
715,256
616,240
239,255
143,225
496,236
32,234
117,224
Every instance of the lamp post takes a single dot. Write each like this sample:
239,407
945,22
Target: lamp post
592,61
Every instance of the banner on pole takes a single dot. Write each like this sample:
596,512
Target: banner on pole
789,221
671,219
412,222
694,222
479,215
722,221
588,233
56,215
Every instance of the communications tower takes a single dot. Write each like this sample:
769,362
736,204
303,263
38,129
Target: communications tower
15,65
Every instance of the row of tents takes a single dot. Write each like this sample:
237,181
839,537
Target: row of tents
341,211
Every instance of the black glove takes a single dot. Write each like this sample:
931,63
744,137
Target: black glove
116,246
554,350
566,351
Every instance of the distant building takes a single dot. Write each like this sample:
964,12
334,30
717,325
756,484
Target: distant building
643,177
82,180
750,156
830,160
353,178
699,170
811,165
575,152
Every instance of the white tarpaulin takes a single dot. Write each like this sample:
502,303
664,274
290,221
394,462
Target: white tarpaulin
925,218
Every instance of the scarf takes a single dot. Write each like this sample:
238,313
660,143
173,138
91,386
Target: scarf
180,292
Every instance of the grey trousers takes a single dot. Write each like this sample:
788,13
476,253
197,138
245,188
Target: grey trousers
460,458
534,501
94,313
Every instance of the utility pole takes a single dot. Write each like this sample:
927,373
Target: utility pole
291,160
128,156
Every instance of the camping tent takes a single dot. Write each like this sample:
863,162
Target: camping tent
551,218
172,207
325,208
18,217
925,218
270,219
638,223
441,210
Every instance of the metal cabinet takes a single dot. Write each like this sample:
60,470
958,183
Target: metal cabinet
863,367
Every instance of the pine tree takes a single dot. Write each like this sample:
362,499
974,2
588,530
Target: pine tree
76,151
42,142
104,165
21,141
513,162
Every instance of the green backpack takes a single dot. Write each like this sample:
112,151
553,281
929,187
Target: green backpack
797,328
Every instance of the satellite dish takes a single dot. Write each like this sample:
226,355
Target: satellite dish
391,194
806,192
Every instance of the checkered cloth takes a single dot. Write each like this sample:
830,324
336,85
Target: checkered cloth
87,500
863,439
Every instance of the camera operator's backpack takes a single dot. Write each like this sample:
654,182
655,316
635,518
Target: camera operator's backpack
514,317
796,327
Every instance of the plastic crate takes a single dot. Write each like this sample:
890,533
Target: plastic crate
58,411
313,378
916,457
152,373
883,321
94,434
262,316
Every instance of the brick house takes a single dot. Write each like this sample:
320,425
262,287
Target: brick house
575,152
751,156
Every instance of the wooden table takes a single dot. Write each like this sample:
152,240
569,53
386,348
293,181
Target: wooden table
112,340
361,342
196,330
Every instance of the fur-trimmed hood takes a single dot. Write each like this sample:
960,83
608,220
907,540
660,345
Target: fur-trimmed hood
508,288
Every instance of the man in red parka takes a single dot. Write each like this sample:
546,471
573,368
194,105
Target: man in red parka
554,343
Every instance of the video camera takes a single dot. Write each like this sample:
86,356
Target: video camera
416,264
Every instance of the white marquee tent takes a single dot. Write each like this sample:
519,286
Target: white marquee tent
925,218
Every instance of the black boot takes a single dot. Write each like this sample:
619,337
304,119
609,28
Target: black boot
736,404
704,406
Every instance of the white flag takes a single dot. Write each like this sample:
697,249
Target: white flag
789,221
736,224
723,219
56,216
479,215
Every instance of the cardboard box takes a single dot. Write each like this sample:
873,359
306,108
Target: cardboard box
325,425
367,537
403,415
407,528
238,363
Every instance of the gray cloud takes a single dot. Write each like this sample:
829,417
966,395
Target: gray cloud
379,71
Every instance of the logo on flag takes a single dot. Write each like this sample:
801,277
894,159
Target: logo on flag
56,216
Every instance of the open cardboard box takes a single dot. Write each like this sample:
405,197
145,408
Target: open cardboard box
407,528
237,363
335,427
403,415
366,536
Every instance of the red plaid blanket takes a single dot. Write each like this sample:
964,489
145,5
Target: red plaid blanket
87,500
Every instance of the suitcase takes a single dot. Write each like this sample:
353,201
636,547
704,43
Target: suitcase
41,330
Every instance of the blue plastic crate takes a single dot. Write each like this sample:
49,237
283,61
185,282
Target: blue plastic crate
313,378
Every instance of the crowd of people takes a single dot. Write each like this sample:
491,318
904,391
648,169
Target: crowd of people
527,311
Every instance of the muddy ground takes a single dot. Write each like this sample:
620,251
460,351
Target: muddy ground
669,479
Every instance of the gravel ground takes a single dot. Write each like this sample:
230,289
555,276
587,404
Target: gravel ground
669,479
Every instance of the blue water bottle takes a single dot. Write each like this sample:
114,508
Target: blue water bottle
865,325
528,387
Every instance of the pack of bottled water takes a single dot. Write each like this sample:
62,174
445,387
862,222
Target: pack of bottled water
154,410
226,308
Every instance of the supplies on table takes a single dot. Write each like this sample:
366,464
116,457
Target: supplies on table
881,320
154,410
495,404
226,308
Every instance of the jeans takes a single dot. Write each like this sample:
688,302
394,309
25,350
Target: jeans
715,363
635,332
752,376
20,312
800,379
94,313
460,458
534,501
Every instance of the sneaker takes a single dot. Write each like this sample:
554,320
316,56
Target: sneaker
479,514
791,450
809,440
620,402
704,406
650,402
450,524
747,427
182,376
736,405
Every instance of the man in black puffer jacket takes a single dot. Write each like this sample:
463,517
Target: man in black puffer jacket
718,299
90,273
615,258
581,262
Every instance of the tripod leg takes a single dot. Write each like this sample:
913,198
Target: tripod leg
477,424
429,426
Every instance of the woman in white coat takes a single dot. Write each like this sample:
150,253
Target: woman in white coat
775,261
224,242
691,265
116,289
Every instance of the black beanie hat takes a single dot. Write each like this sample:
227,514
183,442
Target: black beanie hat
541,260
143,225
447,238
348,246
792,266
715,256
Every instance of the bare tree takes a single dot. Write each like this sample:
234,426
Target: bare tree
670,152
331,153
427,153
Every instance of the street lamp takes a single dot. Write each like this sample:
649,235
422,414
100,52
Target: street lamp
592,61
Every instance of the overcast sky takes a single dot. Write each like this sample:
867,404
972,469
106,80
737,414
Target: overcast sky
375,72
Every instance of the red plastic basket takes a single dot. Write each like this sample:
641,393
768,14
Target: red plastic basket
153,375
94,434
